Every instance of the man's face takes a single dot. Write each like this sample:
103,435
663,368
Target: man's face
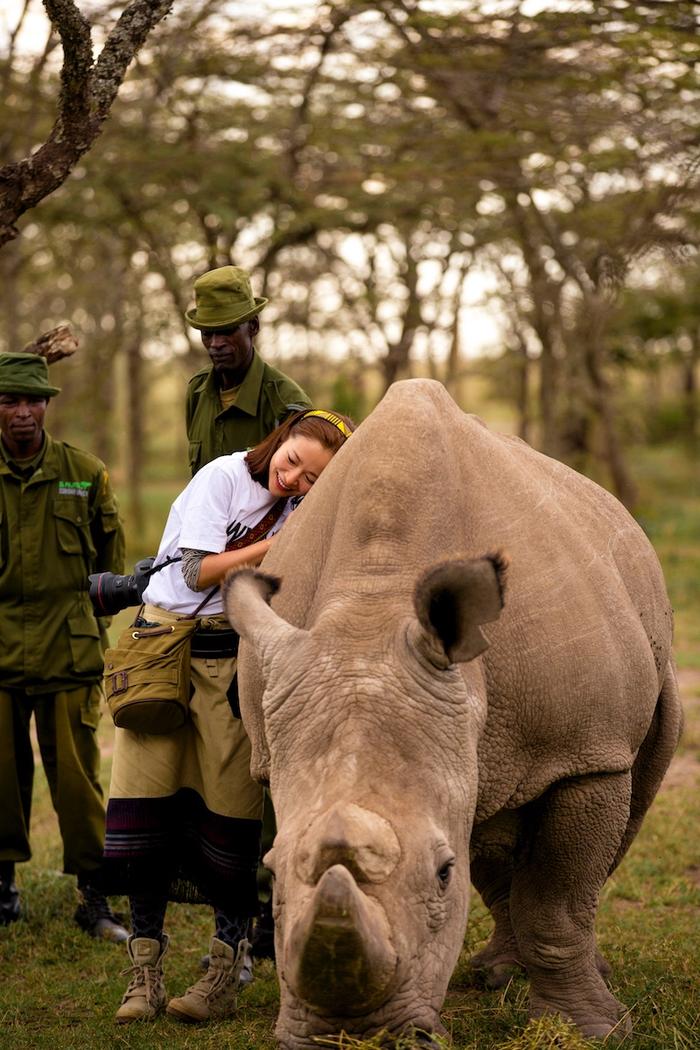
231,349
22,419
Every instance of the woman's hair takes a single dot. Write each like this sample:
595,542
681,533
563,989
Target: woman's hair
330,435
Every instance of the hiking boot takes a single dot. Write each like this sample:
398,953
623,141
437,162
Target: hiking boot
247,975
215,995
145,997
95,916
10,909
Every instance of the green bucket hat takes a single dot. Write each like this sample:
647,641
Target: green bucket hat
223,297
25,374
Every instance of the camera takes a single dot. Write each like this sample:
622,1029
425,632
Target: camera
110,593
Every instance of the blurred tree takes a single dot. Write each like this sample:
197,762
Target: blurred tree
88,89
659,325
584,138
364,160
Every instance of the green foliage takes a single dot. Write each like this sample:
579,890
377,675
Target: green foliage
668,422
268,148
348,396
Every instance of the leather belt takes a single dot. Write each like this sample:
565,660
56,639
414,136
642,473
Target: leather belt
214,644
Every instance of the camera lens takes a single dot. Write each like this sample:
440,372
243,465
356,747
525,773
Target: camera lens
110,592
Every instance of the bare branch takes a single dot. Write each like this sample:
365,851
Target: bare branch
87,93
126,40
299,130
14,33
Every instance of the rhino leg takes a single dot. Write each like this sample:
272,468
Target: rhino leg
491,873
498,962
572,837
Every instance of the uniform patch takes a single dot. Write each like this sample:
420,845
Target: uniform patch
74,488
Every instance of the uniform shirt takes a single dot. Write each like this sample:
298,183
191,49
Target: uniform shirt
221,504
56,527
265,398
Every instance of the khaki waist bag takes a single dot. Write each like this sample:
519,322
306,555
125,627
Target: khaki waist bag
147,677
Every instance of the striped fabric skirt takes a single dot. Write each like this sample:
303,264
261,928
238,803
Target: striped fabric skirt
184,816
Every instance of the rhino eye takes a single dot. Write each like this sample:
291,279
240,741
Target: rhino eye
445,873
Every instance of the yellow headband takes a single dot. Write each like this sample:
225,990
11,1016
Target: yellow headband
335,420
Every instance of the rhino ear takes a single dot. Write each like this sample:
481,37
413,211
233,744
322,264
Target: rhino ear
246,596
452,598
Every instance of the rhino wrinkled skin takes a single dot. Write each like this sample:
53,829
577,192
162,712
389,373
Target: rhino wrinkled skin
422,720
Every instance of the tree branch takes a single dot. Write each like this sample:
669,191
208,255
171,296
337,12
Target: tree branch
87,93
126,40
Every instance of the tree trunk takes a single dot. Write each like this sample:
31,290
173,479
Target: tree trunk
689,363
522,392
545,319
454,372
548,392
397,357
602,404
135,432
96,363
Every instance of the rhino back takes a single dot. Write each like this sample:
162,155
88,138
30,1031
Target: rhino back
585,634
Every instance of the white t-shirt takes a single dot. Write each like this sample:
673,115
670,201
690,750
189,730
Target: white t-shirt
222,503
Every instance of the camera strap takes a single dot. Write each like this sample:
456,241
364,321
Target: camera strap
258,531
163,565
261,528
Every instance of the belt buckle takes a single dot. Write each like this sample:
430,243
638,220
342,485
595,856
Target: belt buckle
120,682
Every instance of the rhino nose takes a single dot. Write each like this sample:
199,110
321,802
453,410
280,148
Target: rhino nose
358,839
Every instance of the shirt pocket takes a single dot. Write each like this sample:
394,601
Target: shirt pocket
73,528
195,455
85,646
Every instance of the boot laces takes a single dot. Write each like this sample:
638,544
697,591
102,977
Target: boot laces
220,977
212,983
144,978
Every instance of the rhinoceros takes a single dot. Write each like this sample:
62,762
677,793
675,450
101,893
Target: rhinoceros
422,721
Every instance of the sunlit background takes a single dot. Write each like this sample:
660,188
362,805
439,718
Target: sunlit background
502,196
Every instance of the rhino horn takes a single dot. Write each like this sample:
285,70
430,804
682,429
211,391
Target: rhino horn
451,599
340,957
246,596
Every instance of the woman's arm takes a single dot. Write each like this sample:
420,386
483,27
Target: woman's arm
215,566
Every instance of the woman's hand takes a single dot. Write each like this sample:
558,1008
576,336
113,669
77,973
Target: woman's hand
214,567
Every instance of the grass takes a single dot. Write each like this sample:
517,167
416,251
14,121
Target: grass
59,989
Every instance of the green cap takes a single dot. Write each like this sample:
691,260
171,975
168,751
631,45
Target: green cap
223,297
25,374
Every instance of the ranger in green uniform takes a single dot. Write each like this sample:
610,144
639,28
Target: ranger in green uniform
58,523
236,402
230,407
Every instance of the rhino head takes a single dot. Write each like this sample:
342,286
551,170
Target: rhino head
372,734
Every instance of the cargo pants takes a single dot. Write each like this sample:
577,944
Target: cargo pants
66,724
